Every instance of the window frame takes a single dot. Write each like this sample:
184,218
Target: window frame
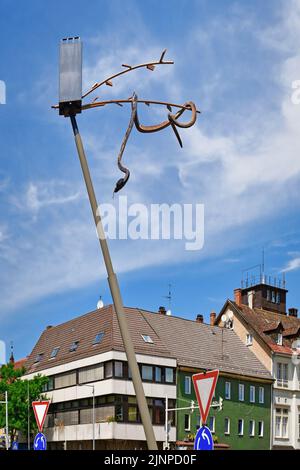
227,433
252,399
251,428
242,387
187,385
228,396
241,420
261,395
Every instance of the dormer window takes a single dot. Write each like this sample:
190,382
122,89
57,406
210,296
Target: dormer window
147,339
279,339
54,352
74,346
39,357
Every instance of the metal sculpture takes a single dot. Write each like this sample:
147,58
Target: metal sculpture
172,119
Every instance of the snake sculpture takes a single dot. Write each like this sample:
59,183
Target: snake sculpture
134,120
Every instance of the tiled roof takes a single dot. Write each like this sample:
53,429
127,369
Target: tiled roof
84,329
203,346
193,344
264,322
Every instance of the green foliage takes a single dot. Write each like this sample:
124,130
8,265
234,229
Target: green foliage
18,403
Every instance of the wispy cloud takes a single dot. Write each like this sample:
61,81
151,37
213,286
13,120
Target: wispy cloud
292,265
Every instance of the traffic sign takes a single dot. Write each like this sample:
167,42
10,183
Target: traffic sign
205,384
40,442
40,409
204,439
15,445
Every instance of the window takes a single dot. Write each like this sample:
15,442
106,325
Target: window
147,373
240,427
252,394
241,392
281,423
157,374
147,339
98,338
282,375
39,357
251,428
227,390
108,369
261,395
74,346
169,375
118,369
279,339
65,380
49,385
278,298
260,429
249,339
54,352
268,295
273,297
67,418
187,422
227,426
187,385
212,423
91,374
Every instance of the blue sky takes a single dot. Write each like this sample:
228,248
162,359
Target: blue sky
237,60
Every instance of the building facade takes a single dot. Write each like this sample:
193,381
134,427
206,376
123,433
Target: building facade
259,317
91,390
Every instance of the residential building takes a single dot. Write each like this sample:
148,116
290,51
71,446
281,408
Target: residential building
244,383
86,355
258,315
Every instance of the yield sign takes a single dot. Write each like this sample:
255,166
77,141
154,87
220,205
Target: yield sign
204,385
40,409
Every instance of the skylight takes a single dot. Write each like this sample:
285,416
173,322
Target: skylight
54,352
98,338
39,357
74,346
147,339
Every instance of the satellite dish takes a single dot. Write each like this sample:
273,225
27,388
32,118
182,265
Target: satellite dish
230,315
169,313
224,318
100,304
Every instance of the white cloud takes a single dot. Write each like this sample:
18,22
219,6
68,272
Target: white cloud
293,265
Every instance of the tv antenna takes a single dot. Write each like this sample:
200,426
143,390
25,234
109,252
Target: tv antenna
169,297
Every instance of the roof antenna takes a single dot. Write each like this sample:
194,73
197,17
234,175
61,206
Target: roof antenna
263,265
169,297
100,303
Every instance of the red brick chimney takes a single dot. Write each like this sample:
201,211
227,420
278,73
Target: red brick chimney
238,296
162,311
213,317
199,319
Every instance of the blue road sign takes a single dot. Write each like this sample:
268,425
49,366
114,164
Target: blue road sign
15,446
40,442
204,439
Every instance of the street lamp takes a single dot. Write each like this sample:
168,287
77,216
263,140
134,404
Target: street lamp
93,387
70,103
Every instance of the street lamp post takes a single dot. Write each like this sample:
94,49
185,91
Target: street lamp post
70,103
5,402
93,387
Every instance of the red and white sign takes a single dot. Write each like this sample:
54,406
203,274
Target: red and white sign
40,409
204,385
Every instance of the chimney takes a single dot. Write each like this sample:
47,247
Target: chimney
251,299
48,327
293,312
199,319
162,311
213,317
238,296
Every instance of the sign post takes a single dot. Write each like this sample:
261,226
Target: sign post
40,409
204,385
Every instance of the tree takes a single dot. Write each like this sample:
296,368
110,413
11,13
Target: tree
18,404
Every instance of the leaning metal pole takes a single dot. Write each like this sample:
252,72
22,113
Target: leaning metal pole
116,295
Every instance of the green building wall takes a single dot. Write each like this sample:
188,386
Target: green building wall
233,408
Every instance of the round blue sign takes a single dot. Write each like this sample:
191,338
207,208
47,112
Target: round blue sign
204,439
40,442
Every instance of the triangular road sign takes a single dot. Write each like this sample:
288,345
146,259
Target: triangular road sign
204,385
40,409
